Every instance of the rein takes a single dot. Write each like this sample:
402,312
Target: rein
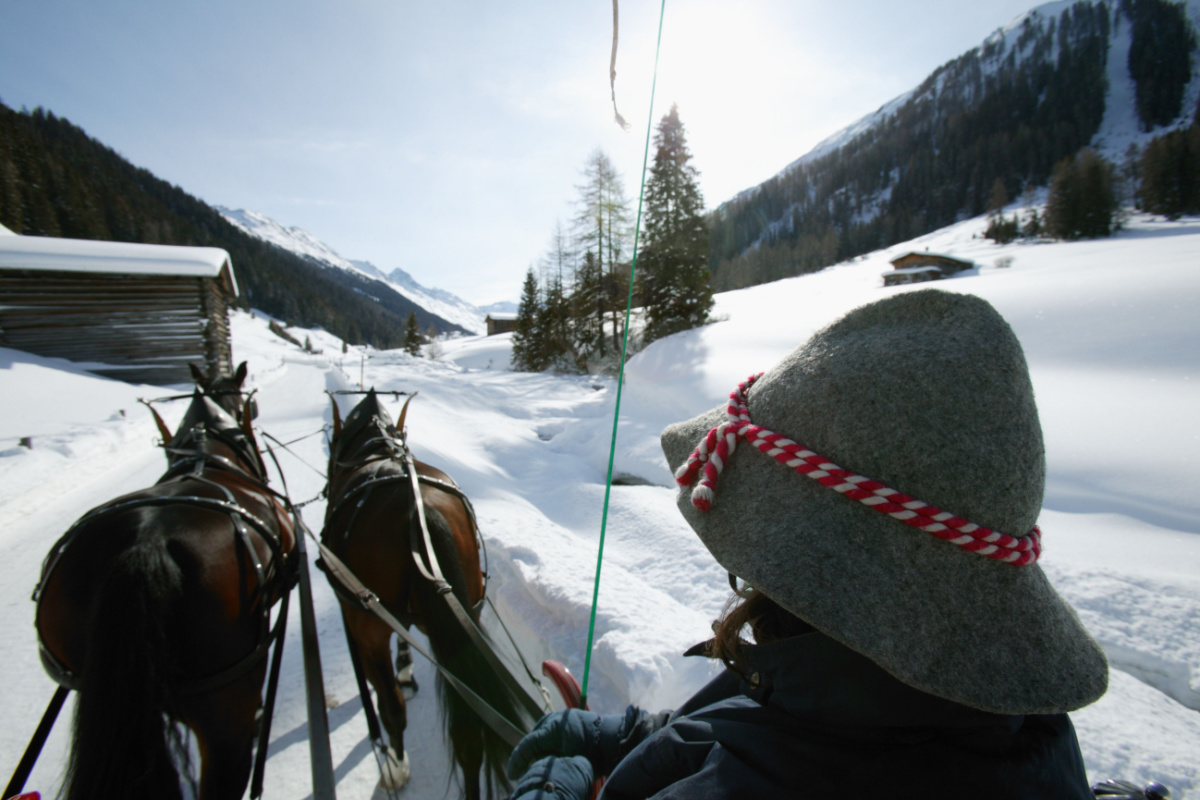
612,452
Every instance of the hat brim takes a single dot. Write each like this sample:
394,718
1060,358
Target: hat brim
941,619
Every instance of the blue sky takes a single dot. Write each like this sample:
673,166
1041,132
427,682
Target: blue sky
447,138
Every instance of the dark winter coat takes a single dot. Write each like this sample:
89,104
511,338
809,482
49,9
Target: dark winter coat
818,720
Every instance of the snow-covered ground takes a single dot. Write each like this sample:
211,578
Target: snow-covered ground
1112,335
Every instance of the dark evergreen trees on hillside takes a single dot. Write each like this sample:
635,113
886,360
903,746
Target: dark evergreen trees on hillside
1170,170
55,180
1160,58
1082,202
673,264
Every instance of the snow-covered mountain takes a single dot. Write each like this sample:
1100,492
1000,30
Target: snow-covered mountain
1062,76
503,307
1120,126
444,304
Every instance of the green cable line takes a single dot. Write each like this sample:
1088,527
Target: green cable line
612,450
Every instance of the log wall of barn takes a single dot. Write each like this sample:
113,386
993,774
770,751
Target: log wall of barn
138,328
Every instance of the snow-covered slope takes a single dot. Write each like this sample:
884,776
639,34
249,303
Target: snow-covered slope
1109,329
444,304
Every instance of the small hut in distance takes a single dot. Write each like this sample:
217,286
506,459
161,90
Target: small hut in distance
500,323
135,312
918,266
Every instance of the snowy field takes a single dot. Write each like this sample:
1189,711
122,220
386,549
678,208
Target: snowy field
1111,331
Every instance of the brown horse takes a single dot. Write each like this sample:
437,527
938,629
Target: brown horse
155,607
372,525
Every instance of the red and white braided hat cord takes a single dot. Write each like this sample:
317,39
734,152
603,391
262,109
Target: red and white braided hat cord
713,452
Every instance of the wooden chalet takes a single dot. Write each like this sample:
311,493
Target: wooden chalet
947,264
137,312
500,323
918,266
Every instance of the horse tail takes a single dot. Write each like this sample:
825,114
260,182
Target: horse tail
125,742
471,741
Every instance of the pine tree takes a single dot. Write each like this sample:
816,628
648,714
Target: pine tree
587,313
676,291
554,326
1171,174
1082,202
412,335
528,351
602,228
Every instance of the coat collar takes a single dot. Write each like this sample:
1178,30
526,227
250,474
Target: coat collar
821,680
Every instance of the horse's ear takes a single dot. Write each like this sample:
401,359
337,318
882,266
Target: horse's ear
337,416
249,408
197,375
404,413
240,375
248,419
163,430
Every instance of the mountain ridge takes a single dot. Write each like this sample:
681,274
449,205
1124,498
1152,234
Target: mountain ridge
438,302
56,180
1052,80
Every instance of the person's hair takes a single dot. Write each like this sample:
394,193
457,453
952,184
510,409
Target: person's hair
767,622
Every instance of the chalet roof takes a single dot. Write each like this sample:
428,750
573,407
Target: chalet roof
499,317
88,255
928,254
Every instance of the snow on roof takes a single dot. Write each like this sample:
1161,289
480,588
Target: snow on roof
499,316
88,255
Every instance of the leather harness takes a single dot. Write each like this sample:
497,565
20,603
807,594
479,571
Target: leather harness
347,586
189,461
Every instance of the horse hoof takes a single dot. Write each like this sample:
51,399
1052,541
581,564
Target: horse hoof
407,681
395,771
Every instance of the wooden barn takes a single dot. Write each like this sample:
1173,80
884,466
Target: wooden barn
500,323
918,266
137,312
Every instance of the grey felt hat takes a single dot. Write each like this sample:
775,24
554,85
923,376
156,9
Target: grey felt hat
927,392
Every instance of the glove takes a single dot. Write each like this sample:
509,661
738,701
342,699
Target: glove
573,732
558,778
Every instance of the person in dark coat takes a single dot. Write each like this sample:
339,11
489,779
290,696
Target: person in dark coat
895,636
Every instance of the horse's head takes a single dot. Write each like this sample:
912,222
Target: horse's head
218,422
227,391
367,422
